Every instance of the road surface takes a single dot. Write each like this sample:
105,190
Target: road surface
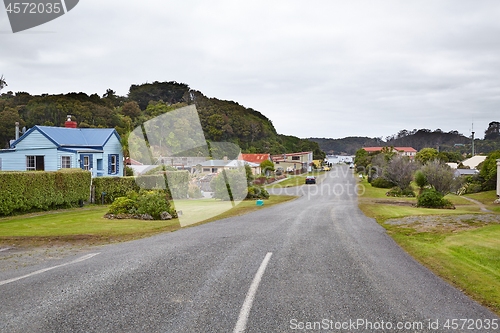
314,264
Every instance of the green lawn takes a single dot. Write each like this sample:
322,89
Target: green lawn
487,198
376,204
295,180
468,258
89,225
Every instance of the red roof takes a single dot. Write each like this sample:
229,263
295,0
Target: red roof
129,161
255,158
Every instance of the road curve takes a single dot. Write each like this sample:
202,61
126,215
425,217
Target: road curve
329,269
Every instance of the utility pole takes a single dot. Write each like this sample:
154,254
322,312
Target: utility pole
473,153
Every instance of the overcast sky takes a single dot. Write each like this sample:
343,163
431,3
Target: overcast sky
318,68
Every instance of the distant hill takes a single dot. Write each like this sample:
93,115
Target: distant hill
221,120
347,145
424,138
418,139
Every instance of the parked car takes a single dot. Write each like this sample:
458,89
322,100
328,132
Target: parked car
310,180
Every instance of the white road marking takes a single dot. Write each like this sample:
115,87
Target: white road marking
241,324
85,257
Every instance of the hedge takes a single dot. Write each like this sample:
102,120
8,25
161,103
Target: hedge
116,187
37,190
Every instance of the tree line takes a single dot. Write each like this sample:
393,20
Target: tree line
221,120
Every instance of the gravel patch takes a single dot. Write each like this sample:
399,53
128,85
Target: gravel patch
449,223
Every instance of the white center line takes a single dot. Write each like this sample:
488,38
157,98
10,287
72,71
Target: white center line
85,257
241,324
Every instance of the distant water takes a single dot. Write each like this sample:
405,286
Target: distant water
334,159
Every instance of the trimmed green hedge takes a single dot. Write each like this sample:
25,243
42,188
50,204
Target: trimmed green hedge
116,187
36,190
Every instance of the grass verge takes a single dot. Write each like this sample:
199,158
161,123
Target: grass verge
467,257
87,225
295,180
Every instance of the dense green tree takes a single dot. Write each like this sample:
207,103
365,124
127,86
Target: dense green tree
427,154
267,167
8,118
493,131
168,92
488,171
131,109
361,159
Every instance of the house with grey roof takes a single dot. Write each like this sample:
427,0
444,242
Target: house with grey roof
49,148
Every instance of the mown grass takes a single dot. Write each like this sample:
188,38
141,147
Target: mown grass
487,198
375,203
467,258
295,180
470,260
88,224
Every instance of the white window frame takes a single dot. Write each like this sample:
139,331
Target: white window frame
86,163
65,164
114,162
30,160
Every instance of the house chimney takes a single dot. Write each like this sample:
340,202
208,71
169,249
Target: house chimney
17,130
69,123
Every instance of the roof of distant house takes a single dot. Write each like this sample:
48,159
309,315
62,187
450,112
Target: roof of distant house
255,158
403,149
465,172
474,161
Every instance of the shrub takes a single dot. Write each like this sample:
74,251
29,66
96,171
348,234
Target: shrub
433,199
28,191
420,179
153,203
382,183
194,191
114,187
230,185
122,205
257,192
119,186
397,192
129,172
440,176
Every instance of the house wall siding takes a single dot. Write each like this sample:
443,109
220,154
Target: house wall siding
16,161
35,140
113,146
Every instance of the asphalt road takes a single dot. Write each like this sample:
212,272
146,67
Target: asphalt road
316,262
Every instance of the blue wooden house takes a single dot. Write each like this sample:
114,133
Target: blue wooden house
52,148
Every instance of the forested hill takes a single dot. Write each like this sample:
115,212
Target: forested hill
347,145
418,139
221,120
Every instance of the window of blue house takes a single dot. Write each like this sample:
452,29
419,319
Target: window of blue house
86,162
113,164
35,163
65,162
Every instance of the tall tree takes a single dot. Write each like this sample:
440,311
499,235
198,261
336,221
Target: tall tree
440,176
493,131
2,82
